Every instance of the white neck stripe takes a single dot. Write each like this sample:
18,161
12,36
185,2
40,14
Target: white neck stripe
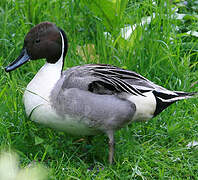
63,45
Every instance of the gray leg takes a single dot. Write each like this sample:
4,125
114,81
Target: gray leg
110,135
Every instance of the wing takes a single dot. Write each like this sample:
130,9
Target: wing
107,79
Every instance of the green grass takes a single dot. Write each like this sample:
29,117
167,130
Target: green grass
153,150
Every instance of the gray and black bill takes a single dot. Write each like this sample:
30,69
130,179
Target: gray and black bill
22,59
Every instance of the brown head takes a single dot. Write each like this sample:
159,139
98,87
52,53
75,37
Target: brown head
45,40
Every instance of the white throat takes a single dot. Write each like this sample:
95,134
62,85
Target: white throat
38,90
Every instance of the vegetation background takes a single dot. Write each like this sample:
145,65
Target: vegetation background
156,38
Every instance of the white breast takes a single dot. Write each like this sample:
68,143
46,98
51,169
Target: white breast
38,106
38,90
145,106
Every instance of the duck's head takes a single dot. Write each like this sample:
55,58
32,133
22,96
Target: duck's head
45,40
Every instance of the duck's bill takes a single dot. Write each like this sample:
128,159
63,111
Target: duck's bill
22,59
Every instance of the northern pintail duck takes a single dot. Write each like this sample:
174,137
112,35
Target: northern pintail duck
88,99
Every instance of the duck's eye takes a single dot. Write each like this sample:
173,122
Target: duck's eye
37,41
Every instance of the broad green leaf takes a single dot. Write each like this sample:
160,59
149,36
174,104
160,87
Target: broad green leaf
131,41
109,11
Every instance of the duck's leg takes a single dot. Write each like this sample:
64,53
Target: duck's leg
110,135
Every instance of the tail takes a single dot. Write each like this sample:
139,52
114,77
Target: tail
179,95
165,99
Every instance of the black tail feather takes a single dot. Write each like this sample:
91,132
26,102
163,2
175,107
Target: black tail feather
164,100
186,94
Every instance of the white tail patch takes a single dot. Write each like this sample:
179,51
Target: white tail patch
145,106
